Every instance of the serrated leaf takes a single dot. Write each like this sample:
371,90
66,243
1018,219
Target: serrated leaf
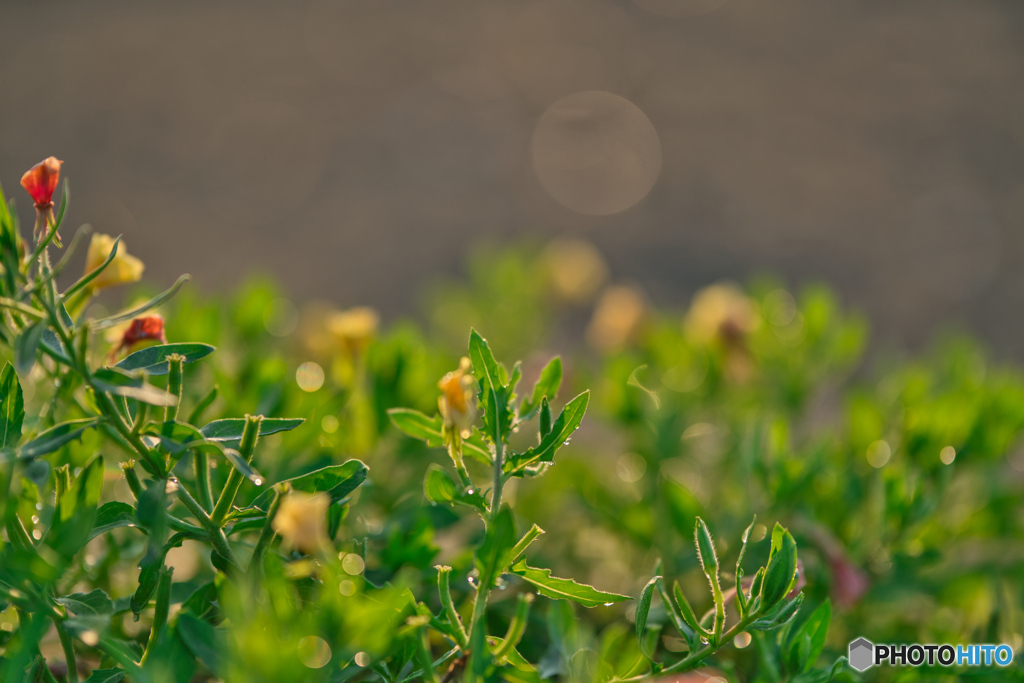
417,425
564,589
230,429
439,488
12,408
494,393
112,515
546,387
643,607
566,424
154,359
57,436
25,347
82,604
120,383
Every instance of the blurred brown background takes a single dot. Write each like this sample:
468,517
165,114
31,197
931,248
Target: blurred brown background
356,149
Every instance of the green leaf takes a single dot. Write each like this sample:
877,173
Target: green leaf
154,359
337,480
151,515
230,429
12,408
55,346
780,574
705,548
495,552
126,316
111,516
813,632
243,466
494,393
417,425
439,488
120,383
685,610
643,606
564,589
546,387
567,423
106,676
75,513
203,602
178,437
202,640
25,347
82,604
780,616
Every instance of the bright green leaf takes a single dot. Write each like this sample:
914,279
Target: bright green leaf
564,589
154,359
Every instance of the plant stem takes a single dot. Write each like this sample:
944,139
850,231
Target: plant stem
69,648
163,604
445,593
266,536
213,531
250,434
176,363
201,465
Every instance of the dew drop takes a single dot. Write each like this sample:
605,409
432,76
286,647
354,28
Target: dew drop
703,640
566,442
470,492
608,604
257,481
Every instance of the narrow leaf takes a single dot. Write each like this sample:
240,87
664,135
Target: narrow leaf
125,316
565,589
57,436
643,606
120,383
230,429
546,387
566,424
154,359
25,347
12,408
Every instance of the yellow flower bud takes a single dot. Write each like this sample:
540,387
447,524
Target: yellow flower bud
355,328
619,314
301,521
458,403
721,313
124,269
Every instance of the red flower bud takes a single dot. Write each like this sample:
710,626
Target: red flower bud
141,332
40,181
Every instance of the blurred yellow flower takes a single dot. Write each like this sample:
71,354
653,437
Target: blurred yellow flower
355,328
618,316
721,313
124,269
457,403
301,520
575,270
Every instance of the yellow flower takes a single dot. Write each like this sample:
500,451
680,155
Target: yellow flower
355,328
619,314
575,270
301,521
457,402
124,269
721,313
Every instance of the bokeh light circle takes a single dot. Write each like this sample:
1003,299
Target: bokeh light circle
309,376
314,652
596,153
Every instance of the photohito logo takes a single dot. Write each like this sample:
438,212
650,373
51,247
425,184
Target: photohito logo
864,654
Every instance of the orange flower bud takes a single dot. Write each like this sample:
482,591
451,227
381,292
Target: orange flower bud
141,333
40,181
457,403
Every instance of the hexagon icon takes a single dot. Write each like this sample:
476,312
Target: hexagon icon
862,654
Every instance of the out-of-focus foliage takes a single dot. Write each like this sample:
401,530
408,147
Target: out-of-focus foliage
899,481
